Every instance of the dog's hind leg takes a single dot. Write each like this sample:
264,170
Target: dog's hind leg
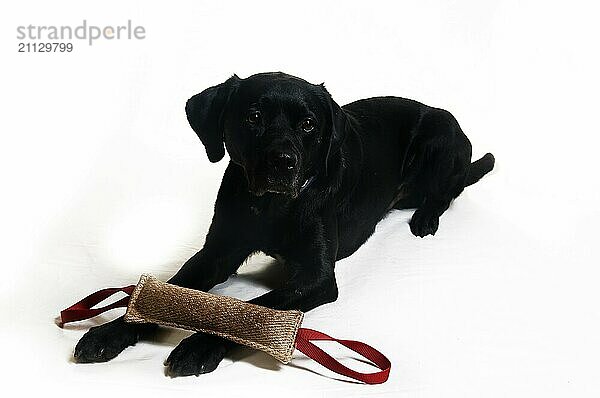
442,159
407,201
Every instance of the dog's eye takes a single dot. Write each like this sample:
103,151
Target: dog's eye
253,117
307,125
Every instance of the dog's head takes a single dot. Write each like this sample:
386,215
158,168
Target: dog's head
281,129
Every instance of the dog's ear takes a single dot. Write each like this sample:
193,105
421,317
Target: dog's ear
338,129
205,114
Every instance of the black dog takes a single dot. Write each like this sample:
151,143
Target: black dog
307,182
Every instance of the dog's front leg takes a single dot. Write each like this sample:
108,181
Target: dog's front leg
312,284
312,260
221,255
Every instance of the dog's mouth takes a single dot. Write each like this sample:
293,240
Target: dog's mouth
292,191
259,185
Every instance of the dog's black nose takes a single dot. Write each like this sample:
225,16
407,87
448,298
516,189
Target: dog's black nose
282,161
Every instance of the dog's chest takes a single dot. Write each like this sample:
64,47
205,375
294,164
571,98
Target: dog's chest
274,223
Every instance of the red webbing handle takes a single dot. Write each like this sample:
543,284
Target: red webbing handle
83,309
303,343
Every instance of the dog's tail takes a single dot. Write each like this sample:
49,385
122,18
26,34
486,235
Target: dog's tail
479,168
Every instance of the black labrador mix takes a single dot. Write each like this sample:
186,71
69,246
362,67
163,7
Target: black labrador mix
307,182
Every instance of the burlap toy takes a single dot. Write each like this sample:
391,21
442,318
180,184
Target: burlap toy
265,329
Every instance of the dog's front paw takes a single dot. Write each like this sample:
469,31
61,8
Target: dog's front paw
103,343
424,223
197,354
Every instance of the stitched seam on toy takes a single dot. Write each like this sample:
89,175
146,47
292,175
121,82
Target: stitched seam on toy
132,314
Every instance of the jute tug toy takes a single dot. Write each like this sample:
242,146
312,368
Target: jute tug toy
275,332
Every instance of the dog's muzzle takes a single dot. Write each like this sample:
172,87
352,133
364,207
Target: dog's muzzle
277,172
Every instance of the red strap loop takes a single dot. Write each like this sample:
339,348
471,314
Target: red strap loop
83,309
303,343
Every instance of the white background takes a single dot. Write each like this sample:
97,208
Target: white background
102,180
